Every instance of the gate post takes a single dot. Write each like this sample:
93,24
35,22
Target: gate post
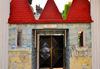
95,13
4,15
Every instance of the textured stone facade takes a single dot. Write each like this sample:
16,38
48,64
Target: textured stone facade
74,54
19,59
80,58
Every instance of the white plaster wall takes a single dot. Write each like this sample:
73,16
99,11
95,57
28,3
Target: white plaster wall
4,14
95,12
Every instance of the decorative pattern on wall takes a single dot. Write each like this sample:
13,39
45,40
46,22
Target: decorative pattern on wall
80,58
27,33
19,59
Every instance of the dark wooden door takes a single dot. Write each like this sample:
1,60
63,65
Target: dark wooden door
51,52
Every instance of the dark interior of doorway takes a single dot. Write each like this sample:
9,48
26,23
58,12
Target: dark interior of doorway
51,52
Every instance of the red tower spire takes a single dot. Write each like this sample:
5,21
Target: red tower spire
50,12
20,12
79,11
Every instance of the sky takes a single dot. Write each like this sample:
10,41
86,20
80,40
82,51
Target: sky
60,4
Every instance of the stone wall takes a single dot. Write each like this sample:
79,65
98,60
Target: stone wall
73,53
80,58
19,59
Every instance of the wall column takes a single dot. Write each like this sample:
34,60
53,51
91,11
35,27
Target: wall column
95,13
4,14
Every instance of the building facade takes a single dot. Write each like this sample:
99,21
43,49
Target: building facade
26,56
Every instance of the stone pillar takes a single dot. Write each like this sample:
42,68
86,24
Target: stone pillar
95,13
4,14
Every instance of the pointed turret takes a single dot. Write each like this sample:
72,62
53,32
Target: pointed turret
79,12
50,12
20,12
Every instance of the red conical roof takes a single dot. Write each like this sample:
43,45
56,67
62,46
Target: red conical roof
79,11
50,11
20,12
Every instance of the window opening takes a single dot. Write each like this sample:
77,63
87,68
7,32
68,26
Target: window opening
19,37
81,37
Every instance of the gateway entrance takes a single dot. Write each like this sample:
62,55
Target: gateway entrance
51,49
51,52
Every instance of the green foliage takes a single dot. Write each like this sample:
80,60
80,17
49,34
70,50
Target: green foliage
79,38
66,10
62,13
69,4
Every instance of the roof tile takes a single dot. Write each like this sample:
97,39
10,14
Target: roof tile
79,11
50,11
20,12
